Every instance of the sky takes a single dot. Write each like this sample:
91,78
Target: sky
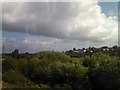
34,27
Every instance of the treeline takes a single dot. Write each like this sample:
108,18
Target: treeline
51,70
112,51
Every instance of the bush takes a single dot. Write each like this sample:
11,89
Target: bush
54,69
105,72
16,78
9,64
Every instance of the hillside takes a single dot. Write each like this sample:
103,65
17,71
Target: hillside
50,69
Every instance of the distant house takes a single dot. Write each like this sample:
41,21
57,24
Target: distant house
82,51
76,51
105,48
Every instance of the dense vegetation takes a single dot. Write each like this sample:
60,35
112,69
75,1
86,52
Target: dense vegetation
50,69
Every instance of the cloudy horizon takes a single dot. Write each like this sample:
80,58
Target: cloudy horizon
59,26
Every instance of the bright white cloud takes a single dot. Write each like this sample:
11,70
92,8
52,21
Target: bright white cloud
83,21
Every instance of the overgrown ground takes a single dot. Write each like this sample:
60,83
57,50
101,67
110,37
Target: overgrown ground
58,70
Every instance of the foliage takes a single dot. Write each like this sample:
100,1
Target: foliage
16,78
57,70
103,71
